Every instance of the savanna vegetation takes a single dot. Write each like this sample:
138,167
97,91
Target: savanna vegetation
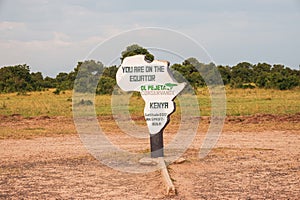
239,102
19,79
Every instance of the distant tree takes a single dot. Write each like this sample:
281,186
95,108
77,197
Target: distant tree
106,85
188,72
136,50
262,67
49,82
261,75
212,75
277,68
87,79
62,81
262,80
110,72
241,74
283,78
37,81
95,77
15,79
199,74
225,72
61,77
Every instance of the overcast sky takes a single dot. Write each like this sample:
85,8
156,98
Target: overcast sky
51,36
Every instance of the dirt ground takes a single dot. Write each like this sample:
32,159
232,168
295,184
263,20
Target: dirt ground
256,157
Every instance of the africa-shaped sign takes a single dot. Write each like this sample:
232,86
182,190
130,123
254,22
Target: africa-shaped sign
156,85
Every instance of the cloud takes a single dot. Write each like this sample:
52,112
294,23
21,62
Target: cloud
11,26
59,53
53,35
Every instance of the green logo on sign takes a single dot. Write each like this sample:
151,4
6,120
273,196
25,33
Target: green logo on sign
170,85
166,86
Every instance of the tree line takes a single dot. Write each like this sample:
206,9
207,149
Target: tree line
18,78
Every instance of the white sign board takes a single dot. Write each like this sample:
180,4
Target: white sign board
156,85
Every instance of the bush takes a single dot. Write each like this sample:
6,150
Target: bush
56,91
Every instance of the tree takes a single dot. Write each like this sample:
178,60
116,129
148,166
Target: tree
261,75
225,72
110,72
37,81
106,85
62,82
15,79
189,71
94,77
88,76
136,50
241,74
49,82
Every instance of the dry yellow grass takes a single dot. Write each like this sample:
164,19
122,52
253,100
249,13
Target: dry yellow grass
239,102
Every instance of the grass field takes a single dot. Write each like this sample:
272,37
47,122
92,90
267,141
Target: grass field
239,102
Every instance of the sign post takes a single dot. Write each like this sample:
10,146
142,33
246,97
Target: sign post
158,88
157,145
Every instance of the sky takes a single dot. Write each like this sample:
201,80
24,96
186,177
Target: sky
52,36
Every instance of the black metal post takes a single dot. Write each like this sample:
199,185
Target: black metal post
157,145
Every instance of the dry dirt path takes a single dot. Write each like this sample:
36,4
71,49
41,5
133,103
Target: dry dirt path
244,165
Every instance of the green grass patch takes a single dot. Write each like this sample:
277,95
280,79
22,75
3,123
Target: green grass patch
239,102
